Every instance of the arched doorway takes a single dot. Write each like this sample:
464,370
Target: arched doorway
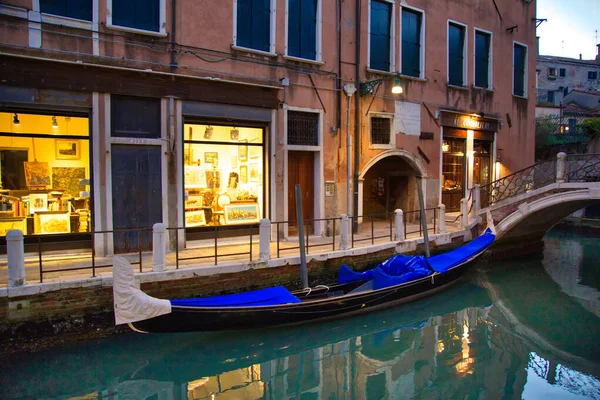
388,182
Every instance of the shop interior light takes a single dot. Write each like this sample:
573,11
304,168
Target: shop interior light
234,133
445,146
16,121
54,122
208,132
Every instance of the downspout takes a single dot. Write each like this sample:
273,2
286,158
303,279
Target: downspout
357,116
349,89
173,34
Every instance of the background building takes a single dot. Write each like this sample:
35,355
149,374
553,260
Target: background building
117,115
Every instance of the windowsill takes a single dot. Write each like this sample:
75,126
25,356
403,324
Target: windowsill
66,21
135,30
13,11
457,87
381,146
380,72
249,50
304,60
482,88
520,97
413,78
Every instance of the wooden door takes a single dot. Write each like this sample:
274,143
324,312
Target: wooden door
301,171
136,195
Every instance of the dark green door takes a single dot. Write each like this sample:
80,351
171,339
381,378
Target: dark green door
136,195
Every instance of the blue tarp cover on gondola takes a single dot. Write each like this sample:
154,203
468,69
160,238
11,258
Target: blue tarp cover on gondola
441,263
264,297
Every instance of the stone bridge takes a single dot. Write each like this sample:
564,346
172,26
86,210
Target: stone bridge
525,205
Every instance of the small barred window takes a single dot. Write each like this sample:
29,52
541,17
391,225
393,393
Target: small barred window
380,130
303,128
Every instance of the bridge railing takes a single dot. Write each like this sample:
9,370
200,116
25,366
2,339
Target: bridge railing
582,167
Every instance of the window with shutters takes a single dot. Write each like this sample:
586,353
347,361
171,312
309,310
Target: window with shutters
253,24
456,54
550,96
380,35
381,129
412,42
141,16
302,128
592,75
562,72
519,70
302,29
483,66
135,117
77,9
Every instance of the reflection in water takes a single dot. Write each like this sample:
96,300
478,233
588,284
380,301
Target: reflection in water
512,333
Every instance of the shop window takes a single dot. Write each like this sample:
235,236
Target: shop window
136,117
223,175
456,54
380,130
482,153
137,14
302,29
253,25
77,9
45,173
482,59
519,70
302,128
453,172
380,35
411,42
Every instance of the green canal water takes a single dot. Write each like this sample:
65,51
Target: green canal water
520,330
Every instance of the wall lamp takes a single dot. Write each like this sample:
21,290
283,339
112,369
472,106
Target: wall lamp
369,87
54,122
16,121
208,132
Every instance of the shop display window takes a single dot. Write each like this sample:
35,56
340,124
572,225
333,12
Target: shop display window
453,172
44,173
223,174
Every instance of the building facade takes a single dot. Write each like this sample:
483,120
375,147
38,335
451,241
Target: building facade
117,115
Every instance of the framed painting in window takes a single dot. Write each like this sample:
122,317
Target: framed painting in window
67,149
254,172
246,213
243,150
243,174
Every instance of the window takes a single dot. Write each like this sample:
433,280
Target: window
592,75
380,35
132,116
302,29
552,72
137,14
550,96
78,9
302,128
482,59
411,42
456,56
562,72
380,130
519,70
253,25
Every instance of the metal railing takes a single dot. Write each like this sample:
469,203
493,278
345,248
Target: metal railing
307,244
388,217
418,215
583,167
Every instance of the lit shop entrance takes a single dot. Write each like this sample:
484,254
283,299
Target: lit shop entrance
224,179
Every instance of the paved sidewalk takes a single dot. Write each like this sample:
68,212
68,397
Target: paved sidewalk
77,264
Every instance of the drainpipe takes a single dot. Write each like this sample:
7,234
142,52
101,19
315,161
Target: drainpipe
349,89
357,116
173,33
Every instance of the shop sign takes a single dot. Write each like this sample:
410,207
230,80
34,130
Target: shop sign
469,122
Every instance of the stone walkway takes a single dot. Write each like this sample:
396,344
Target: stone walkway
77,264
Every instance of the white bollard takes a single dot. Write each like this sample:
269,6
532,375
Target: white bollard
159,247
442,219
264,232
561,167
344,232
399,224
464,210
16,258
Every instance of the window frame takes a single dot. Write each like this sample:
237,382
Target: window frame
56,19
550,69
490,58
392,37
562,72
392,142
162,21
465,68
318,36
421,39
593,73
272,36
525,71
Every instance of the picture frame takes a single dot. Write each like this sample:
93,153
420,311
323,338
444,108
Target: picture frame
194,202
213,179
243,174
36,174
194,177
244,213
243,150
254,151
210,157
38,202
195,218
67,149
253,172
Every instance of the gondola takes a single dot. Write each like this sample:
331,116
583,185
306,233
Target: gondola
398,280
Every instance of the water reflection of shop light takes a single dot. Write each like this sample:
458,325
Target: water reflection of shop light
197,383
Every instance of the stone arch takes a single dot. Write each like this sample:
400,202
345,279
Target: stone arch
407,155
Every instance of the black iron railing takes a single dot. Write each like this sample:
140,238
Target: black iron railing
582,167
309,225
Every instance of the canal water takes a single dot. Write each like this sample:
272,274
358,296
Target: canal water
527,329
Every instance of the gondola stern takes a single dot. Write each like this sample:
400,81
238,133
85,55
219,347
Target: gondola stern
129,302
